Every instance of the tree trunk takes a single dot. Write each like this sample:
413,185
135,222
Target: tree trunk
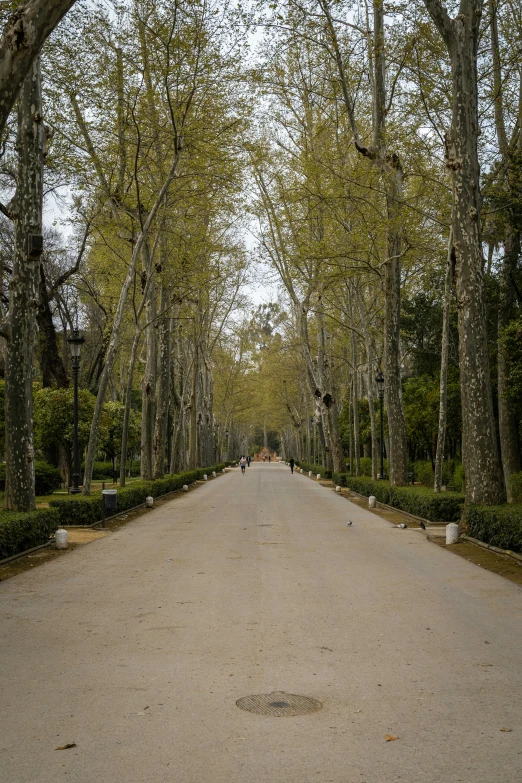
51,362
371,382
23,297
444,353
162,405
356,430
148,386
484,484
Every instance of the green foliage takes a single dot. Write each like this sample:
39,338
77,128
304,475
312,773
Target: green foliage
110,440
21,531
54,417
419,501
326,474
75,510
47,478
497,525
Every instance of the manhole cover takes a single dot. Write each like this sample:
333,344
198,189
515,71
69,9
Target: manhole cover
279,704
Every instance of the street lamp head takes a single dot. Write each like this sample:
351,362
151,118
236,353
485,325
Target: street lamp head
379,380
75,345
226,433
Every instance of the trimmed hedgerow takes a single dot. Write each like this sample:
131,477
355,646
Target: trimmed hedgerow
47,478
75,510
420,501
497,525
326,474
21,531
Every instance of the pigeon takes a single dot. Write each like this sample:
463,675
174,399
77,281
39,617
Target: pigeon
349,523
423,526
402,526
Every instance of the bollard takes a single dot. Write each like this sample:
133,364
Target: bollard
310,473
372,501
452,533
318,476
223,471
149,501
205,477
61,539
338,489
185,488
213,474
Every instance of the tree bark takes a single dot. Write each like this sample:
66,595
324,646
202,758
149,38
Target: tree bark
23,298
51,363
444,355
26,30
148,386
163,384
484,483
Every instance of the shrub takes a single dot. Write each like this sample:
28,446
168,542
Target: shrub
497,525
458,479
327,474
75,510
21,531
419,501
47,478
423,473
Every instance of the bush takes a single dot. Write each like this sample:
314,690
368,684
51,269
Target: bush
423,473
497,525
77,510
327,474
419,501
21,531
47,478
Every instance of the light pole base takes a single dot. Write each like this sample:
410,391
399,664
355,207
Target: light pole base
74,490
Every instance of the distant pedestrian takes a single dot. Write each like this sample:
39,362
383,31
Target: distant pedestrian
269,457
291,463
243,463
248,461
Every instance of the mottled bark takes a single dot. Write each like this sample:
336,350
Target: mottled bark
23,298
371,380
355,407
148,384
51,363
507,421
444,355
163,384
26,30
484,483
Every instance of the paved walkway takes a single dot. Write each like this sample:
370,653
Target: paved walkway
137,646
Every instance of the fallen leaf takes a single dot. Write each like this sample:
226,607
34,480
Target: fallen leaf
65,747
389,738
506,729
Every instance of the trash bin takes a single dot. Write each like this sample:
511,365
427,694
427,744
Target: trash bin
110,500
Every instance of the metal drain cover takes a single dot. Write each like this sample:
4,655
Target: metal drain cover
279,704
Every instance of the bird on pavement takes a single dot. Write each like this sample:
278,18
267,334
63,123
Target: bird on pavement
423,526
349,523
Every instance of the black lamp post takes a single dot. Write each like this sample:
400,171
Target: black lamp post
379,380
75,346
226,446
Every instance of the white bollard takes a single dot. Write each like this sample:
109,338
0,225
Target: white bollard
318,476
205,477
213,474
149,501
310,473
338,489
452,533
372,501
61,539
223,471
185,488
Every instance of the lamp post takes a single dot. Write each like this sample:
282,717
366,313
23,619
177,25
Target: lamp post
75,346
226,440
379,380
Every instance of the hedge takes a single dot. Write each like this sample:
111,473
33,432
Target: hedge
327,474
21,531
497,525
420,501
78,510
47,478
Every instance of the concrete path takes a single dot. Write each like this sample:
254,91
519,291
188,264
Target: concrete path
137,646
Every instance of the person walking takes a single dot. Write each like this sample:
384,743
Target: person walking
291,463
243,463
248,460
269,458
